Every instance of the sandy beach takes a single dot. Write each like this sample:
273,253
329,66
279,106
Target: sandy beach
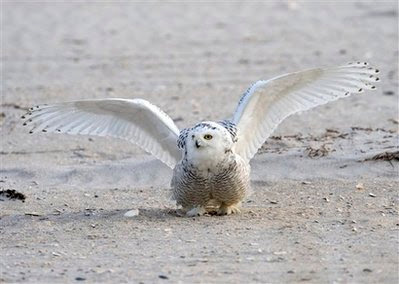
324,207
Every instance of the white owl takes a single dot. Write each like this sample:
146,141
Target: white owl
211,159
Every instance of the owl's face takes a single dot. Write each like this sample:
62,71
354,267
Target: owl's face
208,141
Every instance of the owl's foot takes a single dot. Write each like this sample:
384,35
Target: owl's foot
196,211
227,210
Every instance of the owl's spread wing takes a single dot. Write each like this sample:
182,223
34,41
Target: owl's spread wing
136,120
267,103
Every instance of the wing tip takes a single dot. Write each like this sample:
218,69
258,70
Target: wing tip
361,65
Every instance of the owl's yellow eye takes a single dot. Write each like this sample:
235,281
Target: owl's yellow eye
208,137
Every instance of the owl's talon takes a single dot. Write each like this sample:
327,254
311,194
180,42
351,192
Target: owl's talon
227,210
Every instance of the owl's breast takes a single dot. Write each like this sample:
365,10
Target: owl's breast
231,184
227,182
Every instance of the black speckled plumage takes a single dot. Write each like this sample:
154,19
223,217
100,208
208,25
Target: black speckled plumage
225,185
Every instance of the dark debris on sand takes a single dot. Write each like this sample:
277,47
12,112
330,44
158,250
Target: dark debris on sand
12,194
385,156
322,151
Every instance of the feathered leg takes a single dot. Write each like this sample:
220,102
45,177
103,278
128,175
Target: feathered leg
196,211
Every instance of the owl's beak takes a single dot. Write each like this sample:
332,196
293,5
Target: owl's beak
197,143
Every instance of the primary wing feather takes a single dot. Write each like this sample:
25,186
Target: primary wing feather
267,103
137,121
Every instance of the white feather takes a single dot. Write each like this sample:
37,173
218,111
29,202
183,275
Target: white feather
267,103
137,121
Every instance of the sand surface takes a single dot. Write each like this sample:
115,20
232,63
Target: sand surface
323,210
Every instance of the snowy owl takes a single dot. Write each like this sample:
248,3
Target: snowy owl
210,160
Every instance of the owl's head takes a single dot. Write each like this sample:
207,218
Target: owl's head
209,141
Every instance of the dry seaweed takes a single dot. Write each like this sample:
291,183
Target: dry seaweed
369,129
385,156
317,152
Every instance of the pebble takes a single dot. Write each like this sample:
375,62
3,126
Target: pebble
32,214
132,213
372,194
163,276
80,279
359,186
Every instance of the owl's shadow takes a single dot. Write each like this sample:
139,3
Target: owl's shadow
110,215
119,214
172,213
92,215
156,213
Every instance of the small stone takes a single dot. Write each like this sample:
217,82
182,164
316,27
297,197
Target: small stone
57,211
367,270
163,276
32,214
372,194
360,186
132,213
290,271
80,278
